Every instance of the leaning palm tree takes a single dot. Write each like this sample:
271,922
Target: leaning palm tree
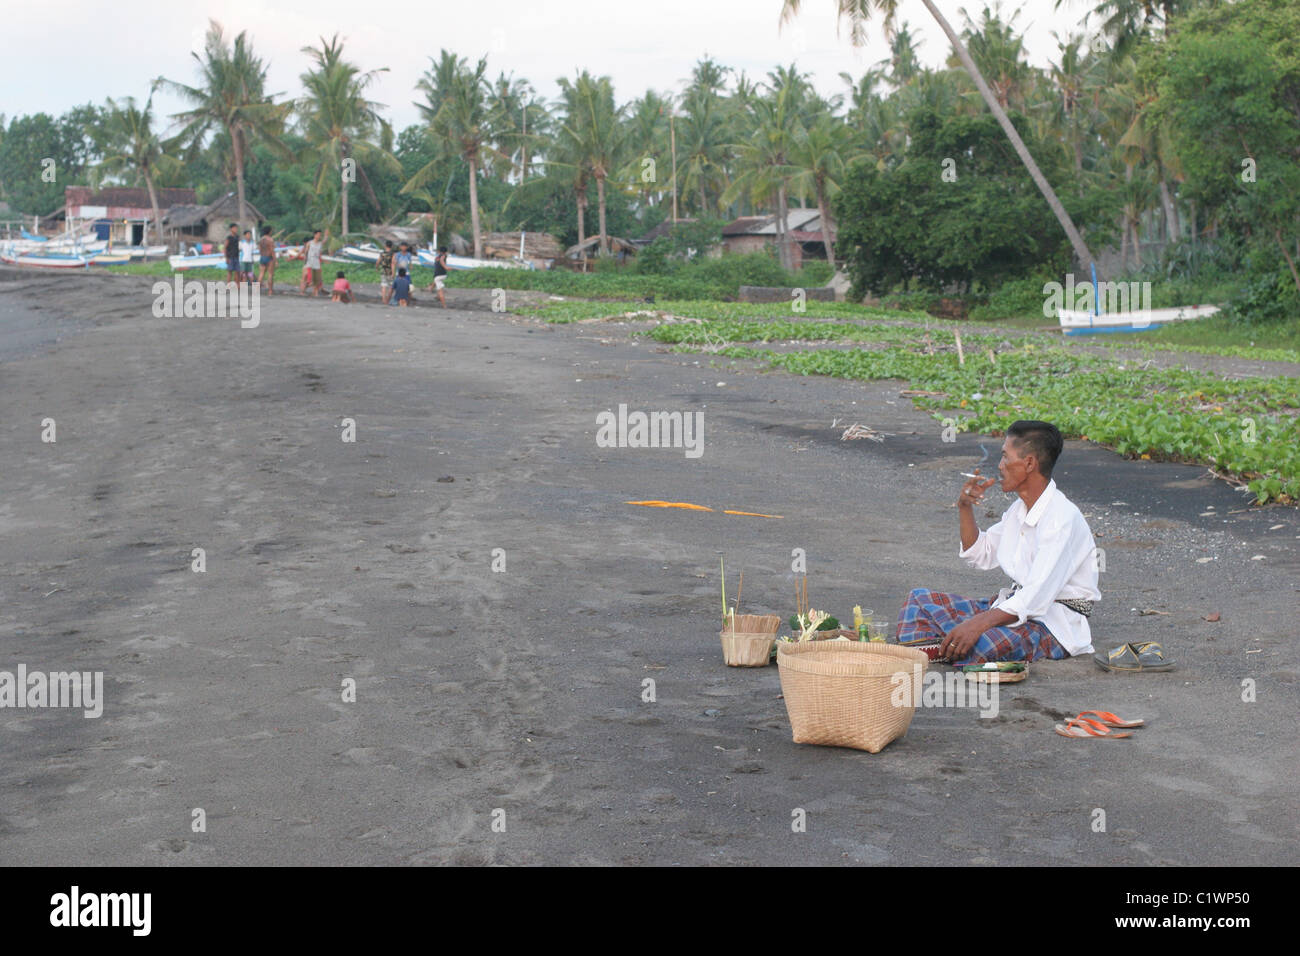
339,122
460,112
131,146
858,12
230,97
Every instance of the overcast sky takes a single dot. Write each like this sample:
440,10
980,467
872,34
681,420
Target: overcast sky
58,54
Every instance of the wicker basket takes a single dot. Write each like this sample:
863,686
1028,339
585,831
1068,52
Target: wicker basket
840,694
747,649
751,646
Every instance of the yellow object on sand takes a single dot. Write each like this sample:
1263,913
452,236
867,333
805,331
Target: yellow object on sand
669,504
752,514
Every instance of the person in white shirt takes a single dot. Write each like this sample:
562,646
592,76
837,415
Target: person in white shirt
1042,543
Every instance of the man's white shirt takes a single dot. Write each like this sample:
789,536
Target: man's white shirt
1050,553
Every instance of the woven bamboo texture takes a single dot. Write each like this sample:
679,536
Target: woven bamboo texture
841,694
747,648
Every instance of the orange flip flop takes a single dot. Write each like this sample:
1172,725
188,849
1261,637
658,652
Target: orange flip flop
1083,727
1109,719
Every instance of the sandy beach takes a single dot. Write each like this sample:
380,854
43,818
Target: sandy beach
521,690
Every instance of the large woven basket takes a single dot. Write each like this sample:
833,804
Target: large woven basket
842,693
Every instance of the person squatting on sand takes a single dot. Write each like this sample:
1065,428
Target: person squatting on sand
342,291
401,289
1042,543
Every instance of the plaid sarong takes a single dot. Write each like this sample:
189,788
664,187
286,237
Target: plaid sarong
930,615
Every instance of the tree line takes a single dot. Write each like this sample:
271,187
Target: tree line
1174,123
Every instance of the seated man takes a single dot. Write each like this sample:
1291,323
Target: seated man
1043,544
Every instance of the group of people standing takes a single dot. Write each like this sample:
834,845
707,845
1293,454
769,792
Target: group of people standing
394,266
240,253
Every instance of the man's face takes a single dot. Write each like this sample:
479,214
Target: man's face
1014,468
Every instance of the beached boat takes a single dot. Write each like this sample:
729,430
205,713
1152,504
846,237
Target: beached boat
146,252
107,258
1078,322
364,253
44,260
212,261
459,263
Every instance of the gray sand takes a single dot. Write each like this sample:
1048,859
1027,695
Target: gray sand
522,690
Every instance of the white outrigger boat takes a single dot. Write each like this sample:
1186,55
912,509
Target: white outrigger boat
1079,322
190,260
145,252
43,260
425,257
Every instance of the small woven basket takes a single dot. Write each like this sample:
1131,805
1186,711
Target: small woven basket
751,644
844,693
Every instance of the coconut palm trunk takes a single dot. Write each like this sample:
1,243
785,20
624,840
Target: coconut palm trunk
1171,212
343,196
472,158
600,209
236,139
783,228
1063,217
582,224
828,224
153,201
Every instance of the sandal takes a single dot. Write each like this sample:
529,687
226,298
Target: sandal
1083,727
1139,656
1109,719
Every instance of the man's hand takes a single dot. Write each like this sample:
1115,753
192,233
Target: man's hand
973,491
960,640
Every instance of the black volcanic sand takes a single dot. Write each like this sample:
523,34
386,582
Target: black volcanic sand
522,690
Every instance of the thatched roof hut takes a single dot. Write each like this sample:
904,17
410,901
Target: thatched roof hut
208,222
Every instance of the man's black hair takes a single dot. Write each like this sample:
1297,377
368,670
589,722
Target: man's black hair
234,225
266,230
1041,439
401,272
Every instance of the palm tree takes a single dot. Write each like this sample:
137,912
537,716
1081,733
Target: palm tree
646,138
999,54
523,121
593,128
764,167
460,113
859,11
704,133
130,144
338,121
821,153
230,97
1071,78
